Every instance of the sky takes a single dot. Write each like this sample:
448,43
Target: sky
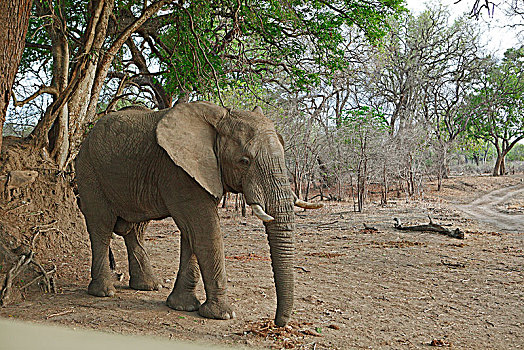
497,38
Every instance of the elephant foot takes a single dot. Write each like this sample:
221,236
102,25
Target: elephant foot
101,288
216,309
144,283
183,301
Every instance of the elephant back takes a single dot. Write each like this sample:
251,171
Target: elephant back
121,136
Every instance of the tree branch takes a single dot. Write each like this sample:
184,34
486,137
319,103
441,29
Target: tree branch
43,90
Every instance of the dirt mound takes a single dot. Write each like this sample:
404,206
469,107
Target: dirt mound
39,215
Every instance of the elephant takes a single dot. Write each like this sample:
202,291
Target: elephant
138,165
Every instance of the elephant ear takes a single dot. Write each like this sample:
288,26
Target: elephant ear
281,139
188,137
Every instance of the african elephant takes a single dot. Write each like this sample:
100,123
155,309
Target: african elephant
137,165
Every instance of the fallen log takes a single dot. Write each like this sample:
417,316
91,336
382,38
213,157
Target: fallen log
431,227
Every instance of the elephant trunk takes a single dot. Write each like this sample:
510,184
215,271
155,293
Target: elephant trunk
268,189
281,242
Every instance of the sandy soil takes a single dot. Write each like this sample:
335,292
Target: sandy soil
355,288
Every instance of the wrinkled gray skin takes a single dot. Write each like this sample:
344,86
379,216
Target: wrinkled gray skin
137,165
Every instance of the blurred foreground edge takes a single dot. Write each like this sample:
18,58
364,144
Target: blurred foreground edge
16,335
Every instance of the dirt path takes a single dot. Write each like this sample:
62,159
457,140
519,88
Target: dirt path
487,208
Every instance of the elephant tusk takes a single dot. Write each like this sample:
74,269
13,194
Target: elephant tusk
307,205
261,214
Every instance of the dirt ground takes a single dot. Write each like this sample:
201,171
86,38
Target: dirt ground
355,288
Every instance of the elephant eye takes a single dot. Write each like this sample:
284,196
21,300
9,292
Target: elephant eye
244,161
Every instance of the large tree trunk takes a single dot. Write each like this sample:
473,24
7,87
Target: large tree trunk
14,19
77,102
68,108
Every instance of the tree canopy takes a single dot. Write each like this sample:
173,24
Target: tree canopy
84,58
496,106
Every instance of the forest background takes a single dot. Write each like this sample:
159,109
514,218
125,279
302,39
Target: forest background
367,96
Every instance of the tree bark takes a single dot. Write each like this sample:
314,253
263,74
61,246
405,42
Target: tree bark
75,97
59,133
500,157
14,19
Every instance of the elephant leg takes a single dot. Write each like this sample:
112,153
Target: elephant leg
183,296
199,219
101,284
100,222
140,271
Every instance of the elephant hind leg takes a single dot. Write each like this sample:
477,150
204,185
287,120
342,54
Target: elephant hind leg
101,284
100,222
141,275
99,226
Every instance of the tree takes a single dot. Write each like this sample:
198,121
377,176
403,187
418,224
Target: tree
421,74
512,8
455,67
497,106
364,131
14,19
94,55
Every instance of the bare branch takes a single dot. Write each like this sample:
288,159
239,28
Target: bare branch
43,90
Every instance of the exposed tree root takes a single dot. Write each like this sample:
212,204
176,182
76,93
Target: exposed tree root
14,271
26,258
45,278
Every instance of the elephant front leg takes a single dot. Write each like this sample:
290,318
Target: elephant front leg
198,221
209,248
183,297
141,275
210,254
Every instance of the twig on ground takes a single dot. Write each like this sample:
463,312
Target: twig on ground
370,228
302,268
327,223
450,264
60,313
343,212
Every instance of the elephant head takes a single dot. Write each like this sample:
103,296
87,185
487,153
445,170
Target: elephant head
240,152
